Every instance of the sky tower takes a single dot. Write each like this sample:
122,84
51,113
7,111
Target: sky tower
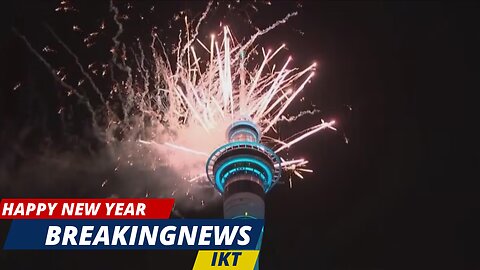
244,170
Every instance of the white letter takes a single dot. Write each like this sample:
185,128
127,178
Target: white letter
171,237
133,235
190,237
51,207
151,236
119,209
117,233
109,208
41,207
53,235
244,235
67,209
141,209
19,210
30,208
225,234
79,209
128,210
102,235
70,233
204,234
86,233
7,207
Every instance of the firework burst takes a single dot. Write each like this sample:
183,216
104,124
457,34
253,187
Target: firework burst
173,107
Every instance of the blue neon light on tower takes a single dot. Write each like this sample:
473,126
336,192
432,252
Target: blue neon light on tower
244,170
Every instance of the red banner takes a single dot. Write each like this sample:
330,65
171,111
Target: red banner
85,208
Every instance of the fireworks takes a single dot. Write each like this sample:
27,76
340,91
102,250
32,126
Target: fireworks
173,106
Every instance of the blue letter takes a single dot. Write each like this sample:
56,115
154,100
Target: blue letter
235,257
223,258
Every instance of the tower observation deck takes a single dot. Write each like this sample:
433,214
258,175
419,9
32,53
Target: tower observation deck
243,170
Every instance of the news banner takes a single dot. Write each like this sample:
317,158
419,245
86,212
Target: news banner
137,224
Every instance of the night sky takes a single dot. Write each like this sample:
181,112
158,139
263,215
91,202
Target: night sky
399,79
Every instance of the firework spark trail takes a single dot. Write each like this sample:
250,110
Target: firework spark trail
195,33
295,117
203,175
80,66
285,106
292,162
314,130
268,29
126,100
82,98
116,42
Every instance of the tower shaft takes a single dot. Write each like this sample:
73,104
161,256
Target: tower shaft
243,170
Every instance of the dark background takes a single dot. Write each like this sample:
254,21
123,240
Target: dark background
399,195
